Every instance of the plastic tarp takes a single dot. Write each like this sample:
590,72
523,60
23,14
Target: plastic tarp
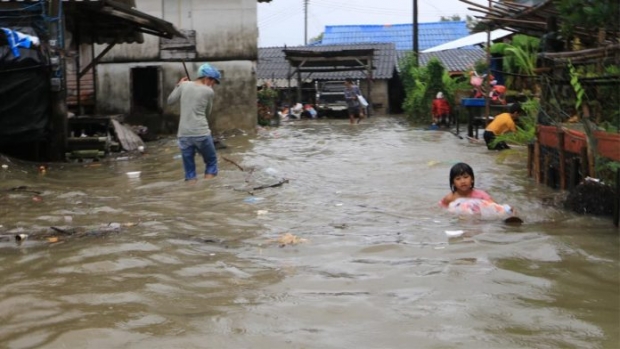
24,91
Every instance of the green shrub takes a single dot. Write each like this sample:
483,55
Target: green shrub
421,86
526,128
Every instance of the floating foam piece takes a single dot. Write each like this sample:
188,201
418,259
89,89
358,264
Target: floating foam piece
454,233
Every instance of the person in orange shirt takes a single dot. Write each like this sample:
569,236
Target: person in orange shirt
501,124
440,110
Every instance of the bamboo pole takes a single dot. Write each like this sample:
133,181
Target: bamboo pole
516,20
487,104
562,160
537,160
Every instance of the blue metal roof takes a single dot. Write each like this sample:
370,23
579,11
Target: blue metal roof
430,34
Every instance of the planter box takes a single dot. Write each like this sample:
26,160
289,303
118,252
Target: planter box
548,136
608,145
574,141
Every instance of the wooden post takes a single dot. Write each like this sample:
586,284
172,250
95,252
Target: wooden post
562,168
574,173
299,84
546,172
530,159
58,100
617,201
583,160
537,159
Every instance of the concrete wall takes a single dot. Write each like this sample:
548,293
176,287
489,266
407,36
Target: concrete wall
378,94
226,36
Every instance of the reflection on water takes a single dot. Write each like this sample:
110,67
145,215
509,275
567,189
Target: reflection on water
150,262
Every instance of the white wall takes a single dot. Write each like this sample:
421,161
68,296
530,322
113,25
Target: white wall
226,36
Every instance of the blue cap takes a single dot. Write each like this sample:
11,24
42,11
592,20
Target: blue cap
207,71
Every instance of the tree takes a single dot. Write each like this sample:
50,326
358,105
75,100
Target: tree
422,84
317,39
593,15
519,58
453,18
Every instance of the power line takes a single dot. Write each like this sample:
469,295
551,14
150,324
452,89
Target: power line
273,17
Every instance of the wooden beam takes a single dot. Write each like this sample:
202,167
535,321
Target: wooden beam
516,20
96,60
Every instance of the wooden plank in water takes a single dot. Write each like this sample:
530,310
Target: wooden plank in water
128,139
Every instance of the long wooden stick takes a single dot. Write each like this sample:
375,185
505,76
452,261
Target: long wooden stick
186,72
232,162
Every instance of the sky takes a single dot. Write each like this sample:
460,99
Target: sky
281,22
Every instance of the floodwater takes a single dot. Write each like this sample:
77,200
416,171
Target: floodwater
156,263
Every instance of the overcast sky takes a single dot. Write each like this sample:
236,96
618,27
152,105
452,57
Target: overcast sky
282,21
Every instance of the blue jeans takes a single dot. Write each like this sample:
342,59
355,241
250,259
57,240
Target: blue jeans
205,147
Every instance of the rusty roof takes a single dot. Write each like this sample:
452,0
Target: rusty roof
102,21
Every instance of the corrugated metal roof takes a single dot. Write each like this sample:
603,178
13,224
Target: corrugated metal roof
474,39
456,60
272,65
430,34
100,21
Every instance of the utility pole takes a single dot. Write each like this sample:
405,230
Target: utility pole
306,22
414,32
487,106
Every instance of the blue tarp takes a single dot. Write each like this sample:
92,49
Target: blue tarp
18,40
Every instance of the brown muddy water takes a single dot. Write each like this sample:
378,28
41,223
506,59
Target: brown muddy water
156,263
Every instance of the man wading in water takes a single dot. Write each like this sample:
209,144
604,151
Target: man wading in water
194,134
351,92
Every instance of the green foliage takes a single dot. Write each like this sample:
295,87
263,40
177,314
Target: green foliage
471,23
418,94
605,169
423,83
574,81
435,75
609,97
498,48
317,38
453,18
520,58
521,55
481,66
590,14
526,130
267,96
266,104
451,86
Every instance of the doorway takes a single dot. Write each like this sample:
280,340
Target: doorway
145,90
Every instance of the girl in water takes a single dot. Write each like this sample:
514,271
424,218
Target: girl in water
462,185
467,201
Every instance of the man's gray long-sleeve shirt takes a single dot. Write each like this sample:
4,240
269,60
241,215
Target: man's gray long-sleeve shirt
196,104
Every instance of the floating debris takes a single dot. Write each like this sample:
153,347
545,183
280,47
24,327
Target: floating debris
290,239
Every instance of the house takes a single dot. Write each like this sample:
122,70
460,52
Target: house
103,64
429,34
39,75
432,37
274,68
136,79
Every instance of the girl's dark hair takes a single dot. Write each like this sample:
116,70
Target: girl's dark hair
460,169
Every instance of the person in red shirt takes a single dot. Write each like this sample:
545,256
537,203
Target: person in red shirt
441,110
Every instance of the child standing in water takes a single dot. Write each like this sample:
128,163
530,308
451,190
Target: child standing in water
462,185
